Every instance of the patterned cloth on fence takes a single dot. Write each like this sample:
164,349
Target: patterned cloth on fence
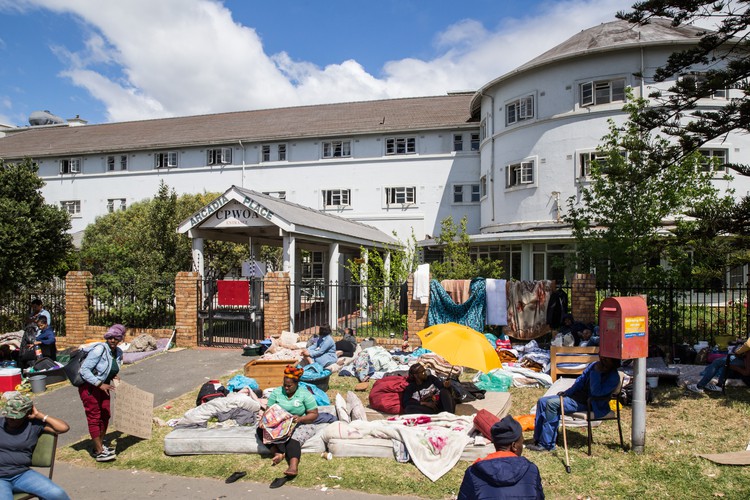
457,289
444,310
527,309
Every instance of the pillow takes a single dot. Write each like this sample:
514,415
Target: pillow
483,421
342,411
386,393
356,408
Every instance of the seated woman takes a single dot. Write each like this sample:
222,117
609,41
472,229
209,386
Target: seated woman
323,351
346,346
739,365
426,394
300,403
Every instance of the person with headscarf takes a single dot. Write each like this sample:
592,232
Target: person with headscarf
98,370
301,404
323,351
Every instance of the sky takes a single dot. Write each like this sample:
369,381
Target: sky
123,60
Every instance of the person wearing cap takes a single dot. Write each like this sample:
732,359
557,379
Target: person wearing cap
98,370
20,426
504,473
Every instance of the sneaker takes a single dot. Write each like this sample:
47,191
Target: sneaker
694,388
536,447
105,456
712,388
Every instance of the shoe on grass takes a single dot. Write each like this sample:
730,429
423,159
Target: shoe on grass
694,388
105,456
536,447
712,388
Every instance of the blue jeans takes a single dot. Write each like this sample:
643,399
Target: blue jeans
31,482
717,368
547,418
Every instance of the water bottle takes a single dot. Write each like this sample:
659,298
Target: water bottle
38,350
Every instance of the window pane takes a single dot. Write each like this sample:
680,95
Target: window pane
458,194
475,193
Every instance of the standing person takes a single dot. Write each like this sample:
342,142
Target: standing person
504,473
301,404
37,309
20,427
426,394
46,338
98,370
323,351
597,380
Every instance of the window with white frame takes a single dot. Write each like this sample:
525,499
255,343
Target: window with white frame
116,204
400,195
266,152
273,152
696,79
336,197
519,110
584,162
466,193
167,159
519,174
400,145
602,91
458,142
281,151
219,156
117,162
714,160
73,207
475,142
483,186
337,149
70,165
483,132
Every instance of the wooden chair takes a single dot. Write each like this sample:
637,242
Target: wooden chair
589,417
43,457
562,355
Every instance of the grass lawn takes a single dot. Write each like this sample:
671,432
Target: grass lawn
678,426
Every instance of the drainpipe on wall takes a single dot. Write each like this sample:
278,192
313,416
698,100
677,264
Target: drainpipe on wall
491,118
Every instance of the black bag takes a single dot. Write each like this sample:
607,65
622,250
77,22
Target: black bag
209,391
626,394
73,368
43,364
557,308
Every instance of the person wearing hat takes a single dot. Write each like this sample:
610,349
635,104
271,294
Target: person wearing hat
504,473
20,426
98,370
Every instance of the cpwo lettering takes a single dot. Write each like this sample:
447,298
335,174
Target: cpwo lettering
236,214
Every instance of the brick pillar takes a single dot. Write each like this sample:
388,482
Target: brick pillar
583,300
276,304
186,286
416,319
76,309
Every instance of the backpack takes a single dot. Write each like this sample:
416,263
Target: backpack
557,308
73,368
626,394
210,390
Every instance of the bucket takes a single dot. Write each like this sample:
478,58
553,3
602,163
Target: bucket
653,382
9,379
38,383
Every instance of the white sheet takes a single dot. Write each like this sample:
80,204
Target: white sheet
497,302
422,283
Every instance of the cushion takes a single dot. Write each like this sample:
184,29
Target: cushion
356,408
483,421
342,410
386,394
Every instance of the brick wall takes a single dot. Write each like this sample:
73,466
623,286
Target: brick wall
276,305
186,286
583,300
416,319
76,309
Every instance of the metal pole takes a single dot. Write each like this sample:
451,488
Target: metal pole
638,431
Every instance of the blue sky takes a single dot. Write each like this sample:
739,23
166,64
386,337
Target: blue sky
119,60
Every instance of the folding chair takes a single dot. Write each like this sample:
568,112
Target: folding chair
43,457
589,417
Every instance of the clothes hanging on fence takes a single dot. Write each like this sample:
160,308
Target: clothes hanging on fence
527,308
403,300
422,283
497,302
444,310
457,289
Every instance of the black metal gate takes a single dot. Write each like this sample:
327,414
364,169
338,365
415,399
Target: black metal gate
226,316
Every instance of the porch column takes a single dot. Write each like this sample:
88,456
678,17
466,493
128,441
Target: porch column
363,283
333,279
289,256
387,277
198,256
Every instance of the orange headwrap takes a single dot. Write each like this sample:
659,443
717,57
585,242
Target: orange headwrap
293,372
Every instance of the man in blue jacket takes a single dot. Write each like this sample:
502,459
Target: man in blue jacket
504,473
46,338
597,380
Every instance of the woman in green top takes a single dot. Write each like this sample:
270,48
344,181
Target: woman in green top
300,403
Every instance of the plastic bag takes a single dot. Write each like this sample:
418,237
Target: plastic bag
493,382
526,421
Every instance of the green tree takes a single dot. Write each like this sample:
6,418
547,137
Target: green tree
457,262
640,206
33,235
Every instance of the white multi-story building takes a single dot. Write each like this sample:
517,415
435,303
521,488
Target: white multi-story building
507,156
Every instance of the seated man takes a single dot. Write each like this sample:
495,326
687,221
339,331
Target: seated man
739,365
20,426
505,473
426,394
597,380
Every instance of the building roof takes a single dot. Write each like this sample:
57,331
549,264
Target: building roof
606,37
325,120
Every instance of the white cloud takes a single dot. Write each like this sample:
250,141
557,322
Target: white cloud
147,59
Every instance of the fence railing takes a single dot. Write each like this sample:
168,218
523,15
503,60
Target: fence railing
227,321
372,308
134,303
15,307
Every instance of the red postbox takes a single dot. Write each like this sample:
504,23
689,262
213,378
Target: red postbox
623,328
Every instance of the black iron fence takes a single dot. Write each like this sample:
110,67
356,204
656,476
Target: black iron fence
372,308
134,303
15,307
233,320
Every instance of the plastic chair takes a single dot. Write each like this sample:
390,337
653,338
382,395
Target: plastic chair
588,416
43,457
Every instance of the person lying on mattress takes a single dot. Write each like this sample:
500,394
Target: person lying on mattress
426,394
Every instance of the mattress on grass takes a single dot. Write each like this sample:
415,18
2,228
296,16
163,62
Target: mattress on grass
223,440
657,367
383,448
497,403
